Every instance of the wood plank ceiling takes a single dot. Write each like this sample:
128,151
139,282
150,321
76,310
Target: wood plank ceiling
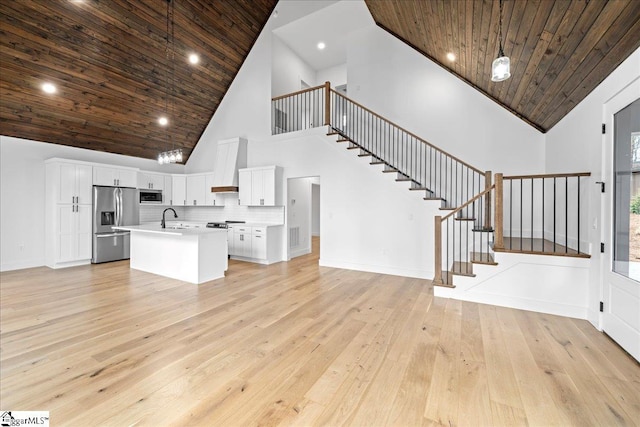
559,50
109,61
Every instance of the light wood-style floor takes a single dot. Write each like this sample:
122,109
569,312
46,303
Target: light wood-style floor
295,344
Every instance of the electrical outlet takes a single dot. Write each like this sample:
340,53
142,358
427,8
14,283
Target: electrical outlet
21,247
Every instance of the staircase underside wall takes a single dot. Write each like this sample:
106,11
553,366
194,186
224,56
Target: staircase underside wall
547,284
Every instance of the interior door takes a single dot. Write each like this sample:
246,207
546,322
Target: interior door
621,221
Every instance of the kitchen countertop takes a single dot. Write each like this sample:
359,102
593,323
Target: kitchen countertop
155,228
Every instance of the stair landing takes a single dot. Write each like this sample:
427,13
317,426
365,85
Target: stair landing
537,246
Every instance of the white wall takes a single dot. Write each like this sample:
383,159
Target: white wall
288,69
369,221
575,144
392,79
335,75
245,110
22,194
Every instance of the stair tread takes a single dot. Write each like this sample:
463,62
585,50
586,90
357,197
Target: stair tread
482,258
461,268
463,219
447,280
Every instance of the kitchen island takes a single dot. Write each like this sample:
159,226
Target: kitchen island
194,255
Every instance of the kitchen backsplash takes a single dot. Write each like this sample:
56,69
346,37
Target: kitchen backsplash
232,211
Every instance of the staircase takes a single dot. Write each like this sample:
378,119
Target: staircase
475,214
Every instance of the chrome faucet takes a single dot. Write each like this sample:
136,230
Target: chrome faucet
163,223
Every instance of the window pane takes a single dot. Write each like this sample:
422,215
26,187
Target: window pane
627,191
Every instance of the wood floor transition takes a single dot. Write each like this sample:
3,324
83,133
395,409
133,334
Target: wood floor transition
294,344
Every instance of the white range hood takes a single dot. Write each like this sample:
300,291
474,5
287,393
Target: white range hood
231,155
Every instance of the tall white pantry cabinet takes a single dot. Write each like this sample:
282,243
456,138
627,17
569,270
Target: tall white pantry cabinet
68,225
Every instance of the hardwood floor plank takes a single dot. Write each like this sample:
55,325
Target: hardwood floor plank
295,344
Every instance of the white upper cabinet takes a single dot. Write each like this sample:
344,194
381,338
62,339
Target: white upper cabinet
261,186
74,183
115,177
167,191
179,190
151,181
195,190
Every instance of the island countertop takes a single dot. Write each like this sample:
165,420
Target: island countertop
176,231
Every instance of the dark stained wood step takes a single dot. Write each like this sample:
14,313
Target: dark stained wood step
460,268
447,280
343,139
538,247
377,161
459,218
482,258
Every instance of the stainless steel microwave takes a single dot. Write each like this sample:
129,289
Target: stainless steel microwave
151,196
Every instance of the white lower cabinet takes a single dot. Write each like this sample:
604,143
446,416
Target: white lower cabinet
74,233
261,244
242,242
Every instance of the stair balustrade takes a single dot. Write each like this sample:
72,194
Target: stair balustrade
543,214
537,214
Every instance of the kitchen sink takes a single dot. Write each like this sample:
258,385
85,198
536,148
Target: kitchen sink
175,227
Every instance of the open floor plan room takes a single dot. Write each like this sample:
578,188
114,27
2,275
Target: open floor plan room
296,344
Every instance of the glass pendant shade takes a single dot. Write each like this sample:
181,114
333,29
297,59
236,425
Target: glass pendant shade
500,69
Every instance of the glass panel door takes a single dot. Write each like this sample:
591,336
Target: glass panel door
626,254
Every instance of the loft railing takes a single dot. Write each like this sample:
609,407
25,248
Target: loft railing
463,237
441,175
300,110
541,214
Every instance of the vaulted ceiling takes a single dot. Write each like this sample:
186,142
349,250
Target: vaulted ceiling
109,60
559,50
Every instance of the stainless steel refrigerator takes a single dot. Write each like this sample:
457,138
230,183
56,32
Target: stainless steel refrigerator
113,206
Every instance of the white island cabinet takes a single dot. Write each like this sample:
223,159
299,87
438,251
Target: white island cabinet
194,255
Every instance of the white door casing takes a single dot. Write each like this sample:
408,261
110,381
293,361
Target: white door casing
620,295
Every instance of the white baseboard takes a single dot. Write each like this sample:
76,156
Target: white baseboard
20,265
372,268
547,307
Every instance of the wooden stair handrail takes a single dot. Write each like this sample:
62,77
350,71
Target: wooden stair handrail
549,175
468,202
409,133
287,95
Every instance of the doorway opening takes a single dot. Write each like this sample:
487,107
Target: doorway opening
303,216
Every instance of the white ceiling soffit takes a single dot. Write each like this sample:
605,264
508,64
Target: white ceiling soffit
330,25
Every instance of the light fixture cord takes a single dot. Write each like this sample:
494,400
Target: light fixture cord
500,52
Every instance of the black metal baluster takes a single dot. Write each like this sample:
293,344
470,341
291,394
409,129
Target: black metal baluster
531,232
566,214
578,209
554,215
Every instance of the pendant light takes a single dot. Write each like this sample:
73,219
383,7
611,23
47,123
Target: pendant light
501,66
170,156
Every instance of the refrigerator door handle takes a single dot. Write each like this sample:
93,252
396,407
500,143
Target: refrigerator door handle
99,236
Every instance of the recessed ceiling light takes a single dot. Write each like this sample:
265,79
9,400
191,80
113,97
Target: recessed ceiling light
49,88
275,14
194,58
163,121
451,56
321,45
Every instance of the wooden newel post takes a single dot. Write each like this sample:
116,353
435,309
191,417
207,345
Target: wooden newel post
327,103
498,237
487,204
437,255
